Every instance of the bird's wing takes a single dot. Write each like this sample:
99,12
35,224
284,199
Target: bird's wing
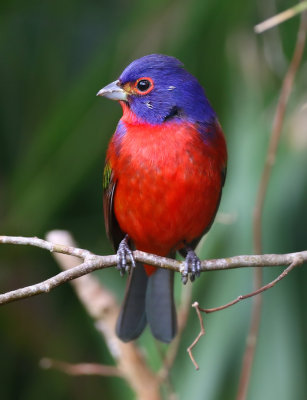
113,230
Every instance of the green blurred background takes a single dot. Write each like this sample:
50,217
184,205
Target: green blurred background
55,56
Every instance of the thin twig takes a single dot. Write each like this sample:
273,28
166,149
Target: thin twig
287,85
80,368
95,262
281,17
201,333
285,272
295,263
46,245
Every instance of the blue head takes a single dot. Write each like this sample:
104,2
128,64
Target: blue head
157,88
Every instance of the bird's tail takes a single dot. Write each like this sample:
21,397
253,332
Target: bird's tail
160,306
132,317
148,298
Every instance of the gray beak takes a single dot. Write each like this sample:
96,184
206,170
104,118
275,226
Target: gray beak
113,91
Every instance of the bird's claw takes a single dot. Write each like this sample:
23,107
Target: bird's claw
124,253
192,267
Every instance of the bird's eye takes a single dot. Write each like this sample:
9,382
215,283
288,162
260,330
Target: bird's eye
144,85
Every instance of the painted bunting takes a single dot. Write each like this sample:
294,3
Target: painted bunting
163,178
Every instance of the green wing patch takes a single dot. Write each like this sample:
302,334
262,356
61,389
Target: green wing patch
107,176
114,232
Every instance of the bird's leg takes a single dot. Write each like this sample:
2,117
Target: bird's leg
123,252
192,266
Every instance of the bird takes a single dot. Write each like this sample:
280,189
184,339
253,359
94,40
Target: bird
163,177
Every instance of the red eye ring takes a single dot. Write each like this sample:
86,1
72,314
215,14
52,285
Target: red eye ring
143,86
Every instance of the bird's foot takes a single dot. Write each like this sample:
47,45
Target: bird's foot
192,266
124,253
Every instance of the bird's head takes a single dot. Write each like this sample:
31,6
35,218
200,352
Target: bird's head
157,88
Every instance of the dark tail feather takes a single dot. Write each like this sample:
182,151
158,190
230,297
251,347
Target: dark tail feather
160,306
132,317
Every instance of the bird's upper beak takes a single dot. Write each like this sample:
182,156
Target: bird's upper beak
113,91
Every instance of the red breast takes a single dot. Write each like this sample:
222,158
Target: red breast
169,181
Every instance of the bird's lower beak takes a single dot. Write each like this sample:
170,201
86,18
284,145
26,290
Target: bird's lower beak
113,91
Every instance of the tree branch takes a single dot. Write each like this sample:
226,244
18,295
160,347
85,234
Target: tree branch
103,308
80,368
93,262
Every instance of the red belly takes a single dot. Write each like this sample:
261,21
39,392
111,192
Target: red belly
168,187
